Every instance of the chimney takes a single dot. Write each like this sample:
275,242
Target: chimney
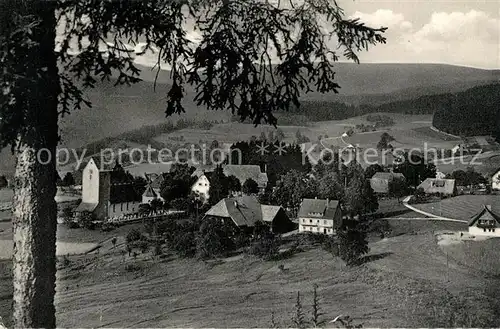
236,204
265,168
488,207
327,202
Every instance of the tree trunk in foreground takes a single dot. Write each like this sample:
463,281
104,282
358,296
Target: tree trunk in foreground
35,211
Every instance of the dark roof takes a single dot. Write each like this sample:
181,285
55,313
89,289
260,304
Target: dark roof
120,193
244,172
243,210
156,183
380,181
326,209
151,177
102,166
269,212
149,192
485,213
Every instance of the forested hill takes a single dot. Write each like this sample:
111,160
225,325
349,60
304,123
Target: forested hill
475,111
471,112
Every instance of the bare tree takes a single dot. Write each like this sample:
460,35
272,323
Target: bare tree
254,57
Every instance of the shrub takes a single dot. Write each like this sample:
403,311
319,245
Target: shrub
352,244
132,267
134,235
266,247
215,239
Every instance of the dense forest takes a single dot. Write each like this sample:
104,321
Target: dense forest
475,111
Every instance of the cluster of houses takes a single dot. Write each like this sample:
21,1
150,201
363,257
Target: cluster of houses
107,201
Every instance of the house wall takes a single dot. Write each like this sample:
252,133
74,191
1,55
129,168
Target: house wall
158,195
146,199
101,210
90,183
495,181
316,225
202,187
125,208
474,230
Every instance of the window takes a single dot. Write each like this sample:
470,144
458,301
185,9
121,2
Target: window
310,221
317,222
127,205
121,206
114,207
484,229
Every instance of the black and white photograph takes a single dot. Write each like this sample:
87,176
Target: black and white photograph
249,164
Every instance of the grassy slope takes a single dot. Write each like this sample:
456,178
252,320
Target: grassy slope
243,293
404,279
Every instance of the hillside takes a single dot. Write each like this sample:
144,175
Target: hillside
472,112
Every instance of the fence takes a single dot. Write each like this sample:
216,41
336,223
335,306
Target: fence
131,218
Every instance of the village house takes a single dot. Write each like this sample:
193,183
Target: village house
149,195
445,187
154,182
486,222
103,199
495,180
242,172
245,211
380,181
320,216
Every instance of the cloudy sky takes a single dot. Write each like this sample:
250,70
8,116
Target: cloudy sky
453,32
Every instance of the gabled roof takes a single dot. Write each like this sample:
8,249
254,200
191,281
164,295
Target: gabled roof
150,177
101,166
388,175
325,208
244,210
156,183
269,212
244,172
84,206
120,193
485,213
434,185
149,192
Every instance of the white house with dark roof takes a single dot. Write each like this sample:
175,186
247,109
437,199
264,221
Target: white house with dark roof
242,172
380,181
438,186
495,180
154,181
149,195
320,216
485,223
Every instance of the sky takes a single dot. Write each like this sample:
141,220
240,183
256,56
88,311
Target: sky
432,31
